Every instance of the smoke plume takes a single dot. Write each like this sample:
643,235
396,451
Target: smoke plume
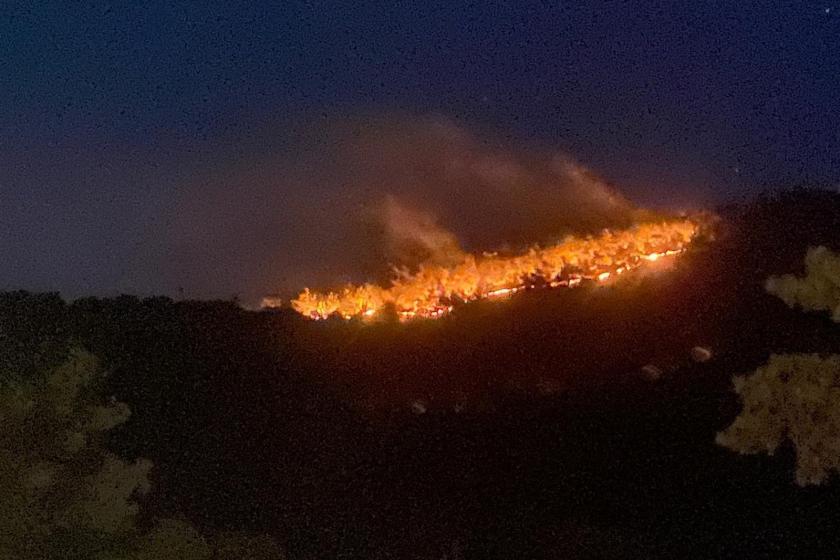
413,237
350,199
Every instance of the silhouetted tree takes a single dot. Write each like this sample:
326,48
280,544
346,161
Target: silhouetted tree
64,495
796,396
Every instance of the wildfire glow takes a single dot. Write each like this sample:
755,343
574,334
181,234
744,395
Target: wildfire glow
433,290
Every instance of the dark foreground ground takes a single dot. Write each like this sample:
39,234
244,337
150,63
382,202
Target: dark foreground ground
540,437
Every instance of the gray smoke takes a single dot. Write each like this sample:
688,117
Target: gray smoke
348,199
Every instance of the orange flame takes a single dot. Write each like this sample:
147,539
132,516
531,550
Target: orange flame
433,290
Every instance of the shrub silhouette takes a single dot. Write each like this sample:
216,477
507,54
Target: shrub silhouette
64,495
796,396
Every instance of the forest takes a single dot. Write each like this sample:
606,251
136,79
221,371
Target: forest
586,423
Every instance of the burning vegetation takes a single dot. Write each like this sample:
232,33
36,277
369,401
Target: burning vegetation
433,290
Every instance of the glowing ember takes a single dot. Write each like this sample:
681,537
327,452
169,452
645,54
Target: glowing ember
502,292
433,290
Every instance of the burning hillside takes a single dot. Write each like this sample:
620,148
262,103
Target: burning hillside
347,197
433,290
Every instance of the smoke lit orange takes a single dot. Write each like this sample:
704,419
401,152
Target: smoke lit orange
433,290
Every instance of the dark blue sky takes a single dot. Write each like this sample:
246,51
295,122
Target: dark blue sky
108,110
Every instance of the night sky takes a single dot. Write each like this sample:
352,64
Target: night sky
112,115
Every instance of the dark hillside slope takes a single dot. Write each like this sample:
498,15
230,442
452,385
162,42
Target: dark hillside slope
558,446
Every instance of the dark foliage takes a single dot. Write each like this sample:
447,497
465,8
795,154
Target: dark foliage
541,439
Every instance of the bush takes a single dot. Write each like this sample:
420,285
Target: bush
64,495
819,290
796,396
